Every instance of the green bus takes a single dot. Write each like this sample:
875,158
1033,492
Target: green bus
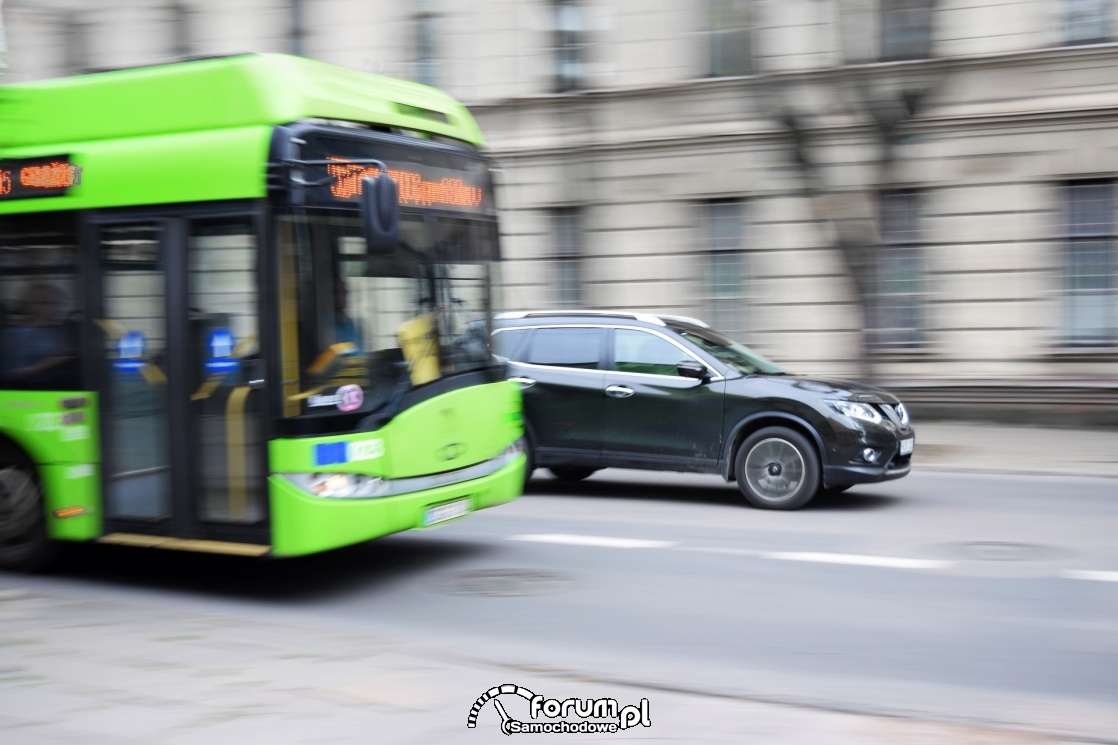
244,308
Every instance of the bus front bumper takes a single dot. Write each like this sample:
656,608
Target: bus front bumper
305,524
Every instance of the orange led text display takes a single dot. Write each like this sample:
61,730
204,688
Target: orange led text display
415,190
37,177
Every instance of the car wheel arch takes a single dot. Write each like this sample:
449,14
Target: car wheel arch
760,420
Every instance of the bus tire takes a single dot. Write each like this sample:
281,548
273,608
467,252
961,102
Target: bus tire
529,461
24,543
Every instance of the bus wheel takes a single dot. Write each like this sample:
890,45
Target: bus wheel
529,460
24,543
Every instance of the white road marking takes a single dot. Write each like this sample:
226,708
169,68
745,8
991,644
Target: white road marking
891,562
730,551
593,540
888,562
1095,576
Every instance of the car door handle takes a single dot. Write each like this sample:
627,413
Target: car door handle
524,382
619,391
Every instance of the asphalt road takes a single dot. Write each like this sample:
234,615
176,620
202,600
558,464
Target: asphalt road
985,597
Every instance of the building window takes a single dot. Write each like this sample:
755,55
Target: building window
724,275
298,28
180,30
906,29
426,52
75,34
899,301
1090,284
569,44
1088,21
567,255
729,38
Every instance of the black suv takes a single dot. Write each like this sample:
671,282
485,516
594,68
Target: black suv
629,390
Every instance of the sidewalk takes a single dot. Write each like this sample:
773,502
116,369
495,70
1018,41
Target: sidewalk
86,671
978,446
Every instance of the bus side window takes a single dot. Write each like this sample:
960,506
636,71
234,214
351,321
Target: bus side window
39,350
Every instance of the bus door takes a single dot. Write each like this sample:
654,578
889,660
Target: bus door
177,315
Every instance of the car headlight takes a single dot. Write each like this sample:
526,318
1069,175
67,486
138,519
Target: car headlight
338,485
856,410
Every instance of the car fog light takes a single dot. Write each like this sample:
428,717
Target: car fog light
870,455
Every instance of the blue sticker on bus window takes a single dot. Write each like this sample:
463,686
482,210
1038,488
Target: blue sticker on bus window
330,453
221,344
130,352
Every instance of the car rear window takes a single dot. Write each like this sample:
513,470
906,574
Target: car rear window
565,347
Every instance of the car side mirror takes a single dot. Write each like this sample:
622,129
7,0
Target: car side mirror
692,369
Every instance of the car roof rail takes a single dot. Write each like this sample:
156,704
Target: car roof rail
645,317
685,319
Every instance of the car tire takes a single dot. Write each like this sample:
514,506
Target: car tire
571,473
24,543
777,469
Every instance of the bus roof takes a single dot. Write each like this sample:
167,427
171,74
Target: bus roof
199,130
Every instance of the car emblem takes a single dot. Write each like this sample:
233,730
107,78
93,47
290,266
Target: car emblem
451,451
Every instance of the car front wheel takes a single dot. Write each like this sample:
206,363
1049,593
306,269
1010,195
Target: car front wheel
777,469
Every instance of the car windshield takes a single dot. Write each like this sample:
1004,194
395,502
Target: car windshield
724,349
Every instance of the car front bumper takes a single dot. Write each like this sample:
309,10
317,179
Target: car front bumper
846,465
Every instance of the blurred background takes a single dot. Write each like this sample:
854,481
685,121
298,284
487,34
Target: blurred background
920,193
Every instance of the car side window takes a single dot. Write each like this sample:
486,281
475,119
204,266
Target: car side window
642,352
565,347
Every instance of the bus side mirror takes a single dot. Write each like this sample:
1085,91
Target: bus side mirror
380,213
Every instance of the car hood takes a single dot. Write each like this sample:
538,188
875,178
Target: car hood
801,386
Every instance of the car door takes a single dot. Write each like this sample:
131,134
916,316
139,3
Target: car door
560,376
653,416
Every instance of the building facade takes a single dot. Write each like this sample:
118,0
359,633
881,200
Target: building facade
922,191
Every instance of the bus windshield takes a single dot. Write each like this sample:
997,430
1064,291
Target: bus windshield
369,328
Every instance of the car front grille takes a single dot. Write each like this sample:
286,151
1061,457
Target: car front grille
894,412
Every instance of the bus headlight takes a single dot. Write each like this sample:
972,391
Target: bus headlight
338,485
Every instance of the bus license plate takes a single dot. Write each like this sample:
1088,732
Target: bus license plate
440,513
906,445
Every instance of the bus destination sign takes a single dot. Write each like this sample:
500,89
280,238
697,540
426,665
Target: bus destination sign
50,176
419,185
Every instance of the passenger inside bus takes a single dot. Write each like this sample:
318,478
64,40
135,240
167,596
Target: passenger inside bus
39,348
346,328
